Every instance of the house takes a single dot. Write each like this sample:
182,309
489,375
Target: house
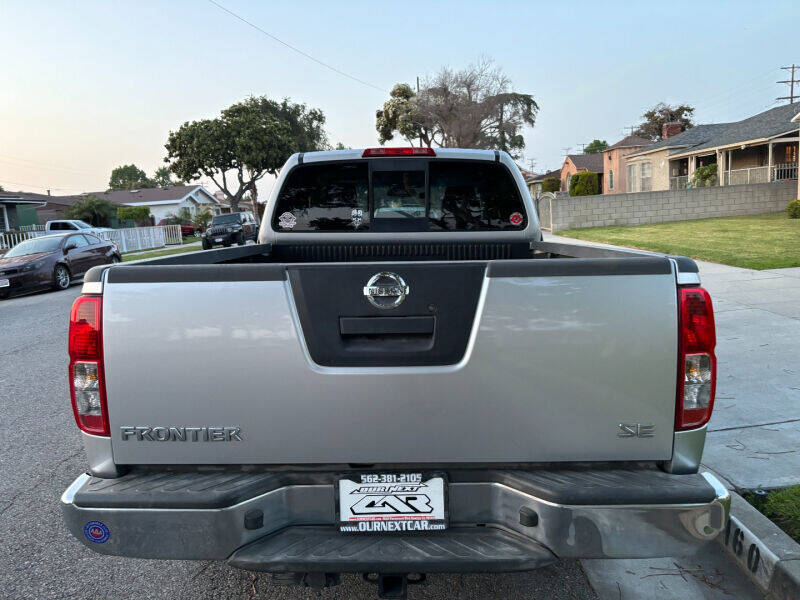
534,182
614,180
759,149
648,169
576,163
18,209
224,206
163,201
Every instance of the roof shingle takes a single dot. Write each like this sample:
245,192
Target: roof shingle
590,162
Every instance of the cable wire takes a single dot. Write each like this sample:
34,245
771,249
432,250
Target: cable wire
305,54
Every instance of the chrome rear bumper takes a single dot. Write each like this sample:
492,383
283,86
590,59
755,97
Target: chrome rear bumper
479,508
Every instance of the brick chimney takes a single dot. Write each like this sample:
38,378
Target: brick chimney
670,129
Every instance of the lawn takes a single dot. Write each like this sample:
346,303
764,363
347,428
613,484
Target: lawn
767,241
782,507
157,253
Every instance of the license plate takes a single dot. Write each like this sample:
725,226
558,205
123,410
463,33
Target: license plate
4,283
393,503
217,239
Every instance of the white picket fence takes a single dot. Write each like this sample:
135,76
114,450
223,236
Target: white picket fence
130,239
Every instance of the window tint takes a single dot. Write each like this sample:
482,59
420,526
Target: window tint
453,195
324,198
399,194
470,196
62,227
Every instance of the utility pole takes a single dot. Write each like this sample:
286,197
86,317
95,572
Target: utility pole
565,151
630,129
791,82
582,147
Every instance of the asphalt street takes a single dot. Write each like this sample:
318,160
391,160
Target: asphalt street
40,454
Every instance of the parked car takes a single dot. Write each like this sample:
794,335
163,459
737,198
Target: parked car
52,261
72,225
232,228
187,228
414,382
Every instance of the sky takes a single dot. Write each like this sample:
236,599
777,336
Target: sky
87,85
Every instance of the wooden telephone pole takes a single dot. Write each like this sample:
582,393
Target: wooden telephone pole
791,83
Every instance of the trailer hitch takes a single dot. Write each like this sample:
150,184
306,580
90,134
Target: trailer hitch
394,585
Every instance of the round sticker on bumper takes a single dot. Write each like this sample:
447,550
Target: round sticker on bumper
96,531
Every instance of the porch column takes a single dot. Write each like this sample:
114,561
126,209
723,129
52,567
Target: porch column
692,167
5,217
721,167
769,163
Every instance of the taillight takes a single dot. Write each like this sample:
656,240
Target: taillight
697,365
376,152
87,385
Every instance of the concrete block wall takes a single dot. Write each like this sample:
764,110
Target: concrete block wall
679,205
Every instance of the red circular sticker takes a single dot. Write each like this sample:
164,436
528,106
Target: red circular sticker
515,218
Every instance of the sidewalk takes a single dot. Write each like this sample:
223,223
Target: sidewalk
754,434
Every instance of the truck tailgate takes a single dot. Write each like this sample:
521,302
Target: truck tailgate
505,361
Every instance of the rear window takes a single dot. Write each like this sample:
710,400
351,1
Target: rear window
436,195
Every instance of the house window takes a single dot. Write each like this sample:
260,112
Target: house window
791,153
647,177
611,179
633,180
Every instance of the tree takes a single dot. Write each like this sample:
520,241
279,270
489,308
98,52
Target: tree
472,108
128,177
661,113
93,210
596,147
203,217
247,141
163,178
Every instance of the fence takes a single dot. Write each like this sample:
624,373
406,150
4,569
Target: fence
674,205
9,239
31,227
127,240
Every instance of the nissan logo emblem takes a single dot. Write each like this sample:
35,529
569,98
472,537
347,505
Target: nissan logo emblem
386,290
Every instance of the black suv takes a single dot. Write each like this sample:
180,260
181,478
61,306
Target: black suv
231,228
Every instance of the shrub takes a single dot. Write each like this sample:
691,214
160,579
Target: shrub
793,209
783,507
705,176
133,213
585,183
551,184
95,211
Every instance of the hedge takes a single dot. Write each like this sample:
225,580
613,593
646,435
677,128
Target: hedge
551,184
585,183
133,213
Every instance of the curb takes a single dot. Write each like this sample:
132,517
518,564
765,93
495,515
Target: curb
759,548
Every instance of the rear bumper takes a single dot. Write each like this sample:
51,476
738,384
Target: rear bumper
202,516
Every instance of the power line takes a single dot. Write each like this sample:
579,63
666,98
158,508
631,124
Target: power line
21,162
790,82
308,56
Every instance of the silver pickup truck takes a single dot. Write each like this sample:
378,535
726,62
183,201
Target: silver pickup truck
400,378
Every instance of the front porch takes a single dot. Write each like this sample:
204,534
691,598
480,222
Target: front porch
775,160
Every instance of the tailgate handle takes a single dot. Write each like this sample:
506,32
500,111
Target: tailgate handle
385,326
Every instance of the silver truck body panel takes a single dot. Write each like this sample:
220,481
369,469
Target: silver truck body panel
553,365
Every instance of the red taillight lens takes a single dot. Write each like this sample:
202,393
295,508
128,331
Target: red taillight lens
87,385
697,364
377,152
